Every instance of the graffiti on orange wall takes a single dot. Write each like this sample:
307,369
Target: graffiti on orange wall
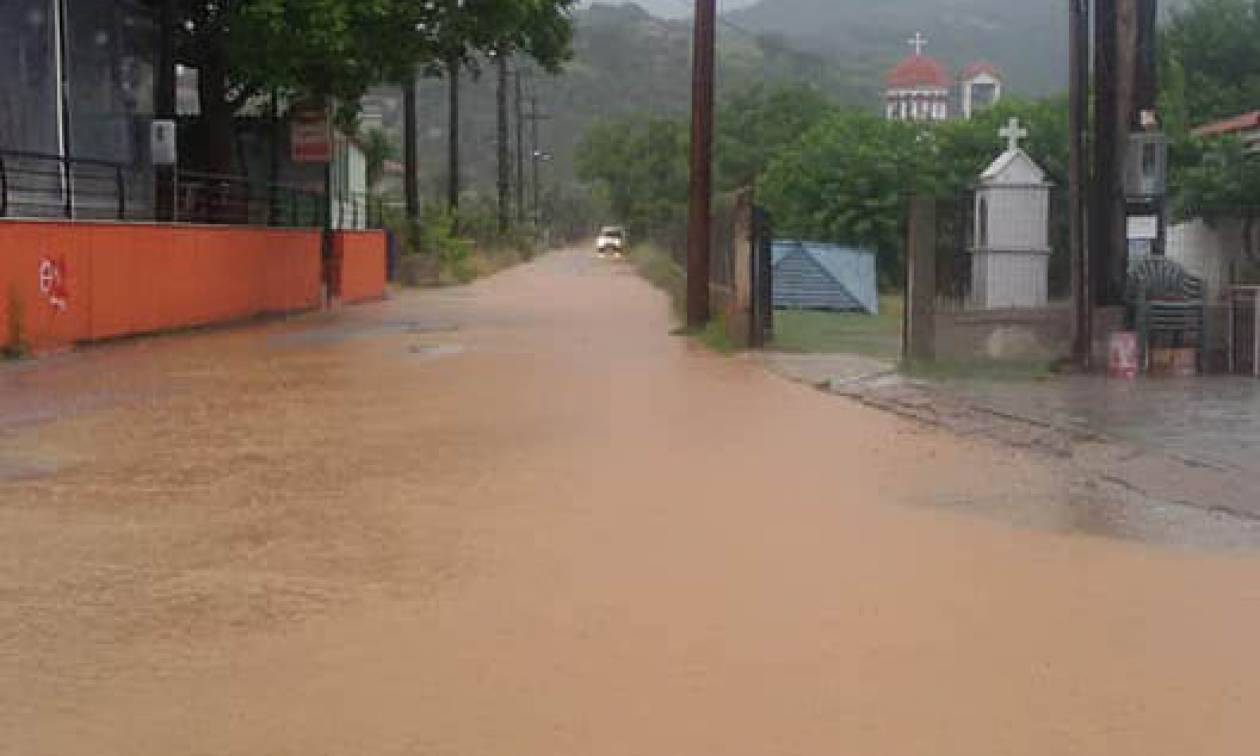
52,282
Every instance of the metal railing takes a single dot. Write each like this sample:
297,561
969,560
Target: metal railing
213,199
38,185
41,185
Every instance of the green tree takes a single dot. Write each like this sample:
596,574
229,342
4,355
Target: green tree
760,121
847,180
1213,46
314,50
377,149
1224,185
640,166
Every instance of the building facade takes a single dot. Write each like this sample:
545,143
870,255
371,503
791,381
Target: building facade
917,88
980,86
79,83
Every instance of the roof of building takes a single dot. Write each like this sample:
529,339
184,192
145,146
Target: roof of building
852,273
980,68
918,71
1014,168
1245,122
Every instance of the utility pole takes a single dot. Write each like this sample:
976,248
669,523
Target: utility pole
700,216
1147,75
411,157
505,158
1078,181
452,180
534,118
520,152
1105,204
536,153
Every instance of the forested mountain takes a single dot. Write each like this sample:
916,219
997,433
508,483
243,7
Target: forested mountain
1027,39
627,62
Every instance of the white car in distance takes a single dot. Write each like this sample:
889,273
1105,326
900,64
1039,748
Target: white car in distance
611,242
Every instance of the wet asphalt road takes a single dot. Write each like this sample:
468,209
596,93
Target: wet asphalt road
521,518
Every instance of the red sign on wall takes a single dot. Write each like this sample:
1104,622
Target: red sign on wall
310,137
52,283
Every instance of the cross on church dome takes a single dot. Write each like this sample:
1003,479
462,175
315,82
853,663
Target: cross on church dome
918,42
1013,133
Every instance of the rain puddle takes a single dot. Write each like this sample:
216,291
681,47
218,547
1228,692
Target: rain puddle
342,332
436,351
17,471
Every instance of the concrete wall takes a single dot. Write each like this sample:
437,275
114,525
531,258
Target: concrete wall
360,266
65,283
1043,334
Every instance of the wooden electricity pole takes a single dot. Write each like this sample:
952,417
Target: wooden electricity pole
505,157
520,152
1105,197
452,177
700,216
536,154
411,156
1078,180
1147,74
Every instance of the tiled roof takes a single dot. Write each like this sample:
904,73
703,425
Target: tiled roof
972,70
918,71
1245,122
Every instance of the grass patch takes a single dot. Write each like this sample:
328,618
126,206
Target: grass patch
659,269
479,262
813,332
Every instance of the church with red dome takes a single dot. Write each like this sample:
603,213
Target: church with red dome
920,89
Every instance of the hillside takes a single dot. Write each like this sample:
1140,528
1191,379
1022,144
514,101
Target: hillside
627,62
1026,39
630,62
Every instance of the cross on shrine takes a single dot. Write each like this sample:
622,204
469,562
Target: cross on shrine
1013,133
918,41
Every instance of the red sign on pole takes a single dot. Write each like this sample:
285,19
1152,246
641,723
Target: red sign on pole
1124,356
310,137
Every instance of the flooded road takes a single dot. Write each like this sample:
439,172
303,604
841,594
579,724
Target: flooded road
519,518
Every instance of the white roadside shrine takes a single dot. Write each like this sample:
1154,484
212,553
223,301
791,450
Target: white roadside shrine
1010,265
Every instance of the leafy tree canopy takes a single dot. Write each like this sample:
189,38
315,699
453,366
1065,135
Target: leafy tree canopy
1209,51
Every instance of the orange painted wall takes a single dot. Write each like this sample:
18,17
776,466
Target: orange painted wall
360,260
124,279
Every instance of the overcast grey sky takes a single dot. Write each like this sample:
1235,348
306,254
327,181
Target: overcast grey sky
676,8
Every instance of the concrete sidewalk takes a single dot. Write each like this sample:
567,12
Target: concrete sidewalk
1172,461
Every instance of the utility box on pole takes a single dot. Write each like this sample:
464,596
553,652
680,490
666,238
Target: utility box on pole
1146,166
1145,190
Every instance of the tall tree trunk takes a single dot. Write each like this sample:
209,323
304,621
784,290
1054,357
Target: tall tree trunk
411,181
505,159
217,116
452,179
218,201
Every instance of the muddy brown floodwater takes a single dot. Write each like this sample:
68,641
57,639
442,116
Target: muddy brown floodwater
520,518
